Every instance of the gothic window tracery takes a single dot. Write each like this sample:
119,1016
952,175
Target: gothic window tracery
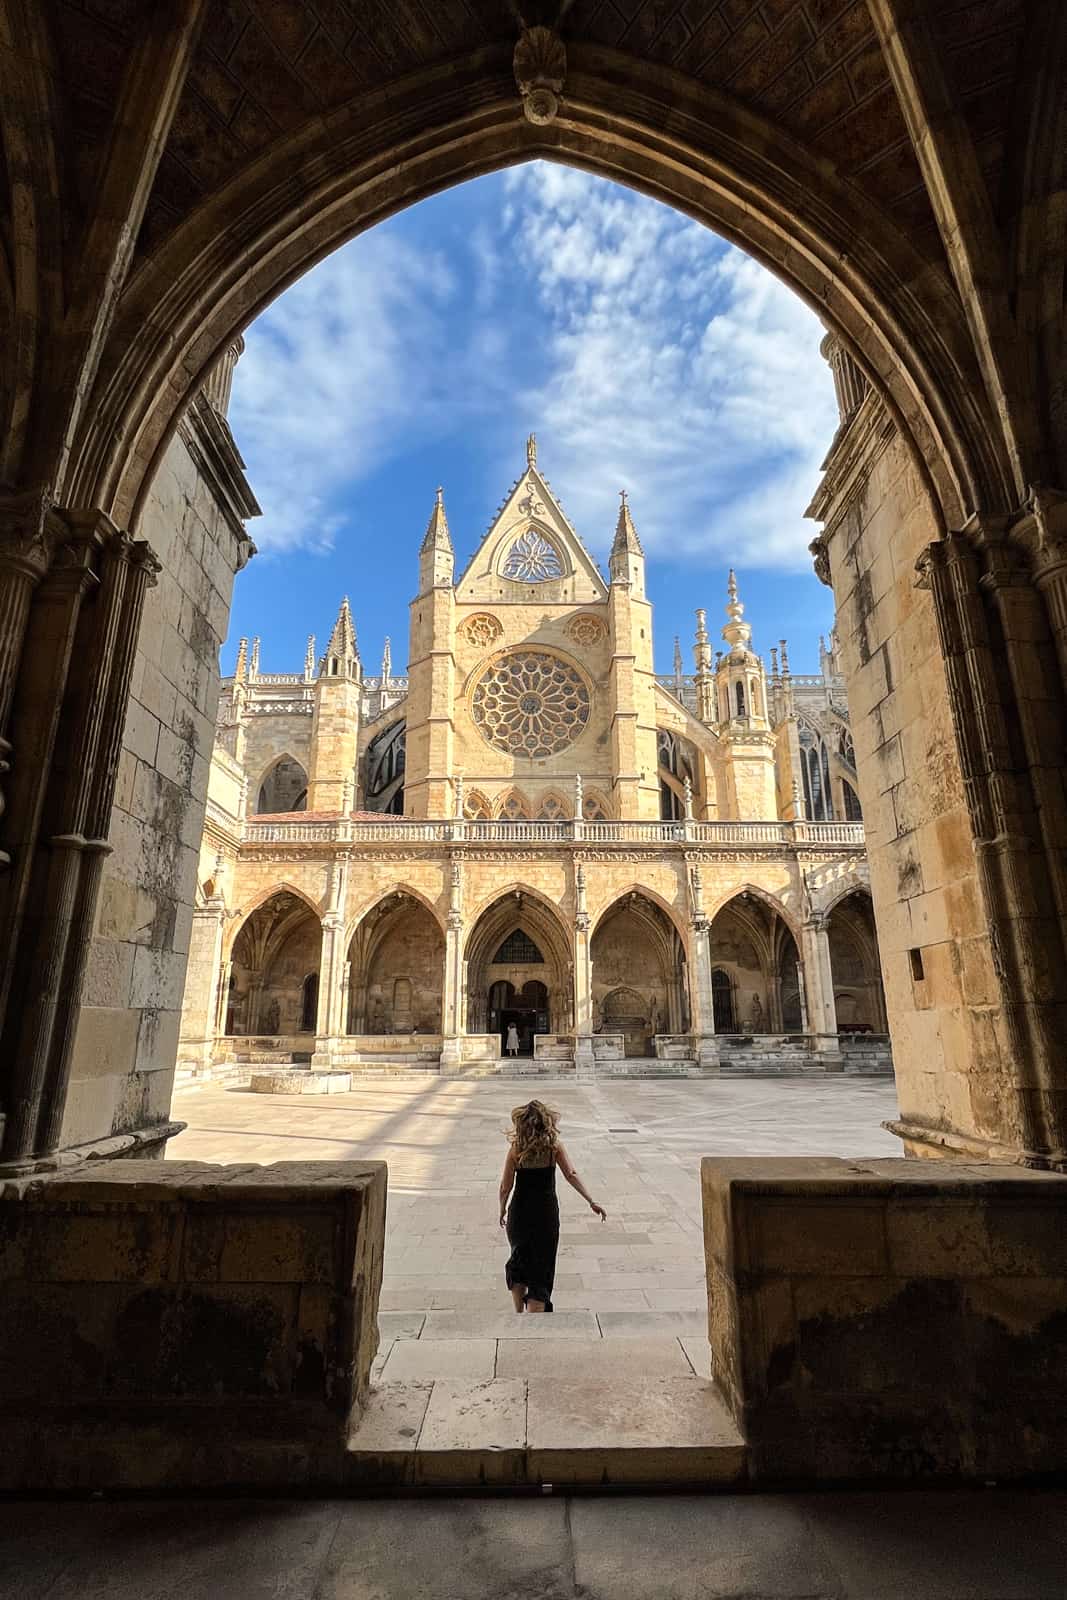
586,629
815,772
518,950
530,703
595,809
551,809
386,762
476,808
532,558
514,809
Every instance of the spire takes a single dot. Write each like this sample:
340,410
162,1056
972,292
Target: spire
702,663
437,534
531,450
625,532
342,643
240,671
253,665
785,657
387,662
309,657
738,634
679,668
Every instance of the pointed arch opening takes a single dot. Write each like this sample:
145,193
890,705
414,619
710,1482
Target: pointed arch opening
855,965
396,967
519,971
754,954
273,987
283,787
639,974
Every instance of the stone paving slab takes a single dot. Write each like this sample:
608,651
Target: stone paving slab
943,1545
605,1359
418,1359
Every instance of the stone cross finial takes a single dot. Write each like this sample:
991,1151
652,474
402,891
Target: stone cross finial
531,450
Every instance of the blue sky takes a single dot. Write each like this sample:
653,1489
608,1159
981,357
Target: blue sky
645,353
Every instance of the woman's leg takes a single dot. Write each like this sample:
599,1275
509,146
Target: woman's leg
518,1294
535,1305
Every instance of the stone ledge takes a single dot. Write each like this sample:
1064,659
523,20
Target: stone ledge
186,1325
889,1320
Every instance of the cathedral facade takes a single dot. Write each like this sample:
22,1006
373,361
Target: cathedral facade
530,829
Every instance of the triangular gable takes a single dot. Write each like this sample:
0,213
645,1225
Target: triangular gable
531,513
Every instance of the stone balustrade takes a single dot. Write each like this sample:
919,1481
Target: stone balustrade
786,836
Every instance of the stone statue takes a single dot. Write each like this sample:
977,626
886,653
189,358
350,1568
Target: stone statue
274,1018
756,1015
654,1016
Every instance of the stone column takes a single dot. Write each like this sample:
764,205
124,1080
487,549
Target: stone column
819,982
24,558
65,877
203,990
222,998
331,982
584,1055
452,1019
701,997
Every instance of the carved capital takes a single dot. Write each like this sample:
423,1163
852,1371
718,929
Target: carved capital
28,532
540,67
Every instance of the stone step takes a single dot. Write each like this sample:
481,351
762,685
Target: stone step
546,1433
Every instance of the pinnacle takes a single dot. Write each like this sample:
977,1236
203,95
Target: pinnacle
625,532
437,534
343,638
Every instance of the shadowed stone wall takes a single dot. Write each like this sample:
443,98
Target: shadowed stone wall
192,1324
123,1064
882,1319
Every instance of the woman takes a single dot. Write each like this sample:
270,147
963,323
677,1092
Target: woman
512,1045
532,1220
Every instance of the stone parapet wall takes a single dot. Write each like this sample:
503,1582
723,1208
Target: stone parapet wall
187,1324
887,1319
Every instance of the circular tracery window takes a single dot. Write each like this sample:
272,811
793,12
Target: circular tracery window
531,704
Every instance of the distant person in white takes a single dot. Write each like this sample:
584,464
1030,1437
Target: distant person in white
513,1040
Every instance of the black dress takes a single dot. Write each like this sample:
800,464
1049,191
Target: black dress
533,1232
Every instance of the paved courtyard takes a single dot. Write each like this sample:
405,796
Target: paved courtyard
637,1144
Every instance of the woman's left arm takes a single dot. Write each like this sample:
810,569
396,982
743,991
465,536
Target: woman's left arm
507,1178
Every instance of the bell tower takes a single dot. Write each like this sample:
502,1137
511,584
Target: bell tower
749,788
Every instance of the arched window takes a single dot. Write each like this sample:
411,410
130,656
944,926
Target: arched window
722,998
595,809
518,950
284,788
552,809
385,762
514,809
476,808
853,809
815,771
739,692
309,1003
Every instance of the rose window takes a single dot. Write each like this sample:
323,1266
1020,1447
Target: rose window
532,559
483,630
531,704
586,629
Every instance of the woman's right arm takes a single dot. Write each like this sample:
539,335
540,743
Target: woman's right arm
566,1166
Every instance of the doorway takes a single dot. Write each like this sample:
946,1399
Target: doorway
525,1009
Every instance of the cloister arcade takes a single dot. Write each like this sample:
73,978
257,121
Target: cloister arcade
518,966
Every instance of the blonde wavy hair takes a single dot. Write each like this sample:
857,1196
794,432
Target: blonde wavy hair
534,1134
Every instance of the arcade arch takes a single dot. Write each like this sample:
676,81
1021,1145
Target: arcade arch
396,969
639,976
274,970
859,999
519,968
756,985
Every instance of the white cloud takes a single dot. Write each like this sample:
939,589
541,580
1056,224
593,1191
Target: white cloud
680,369
324,390
643,350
